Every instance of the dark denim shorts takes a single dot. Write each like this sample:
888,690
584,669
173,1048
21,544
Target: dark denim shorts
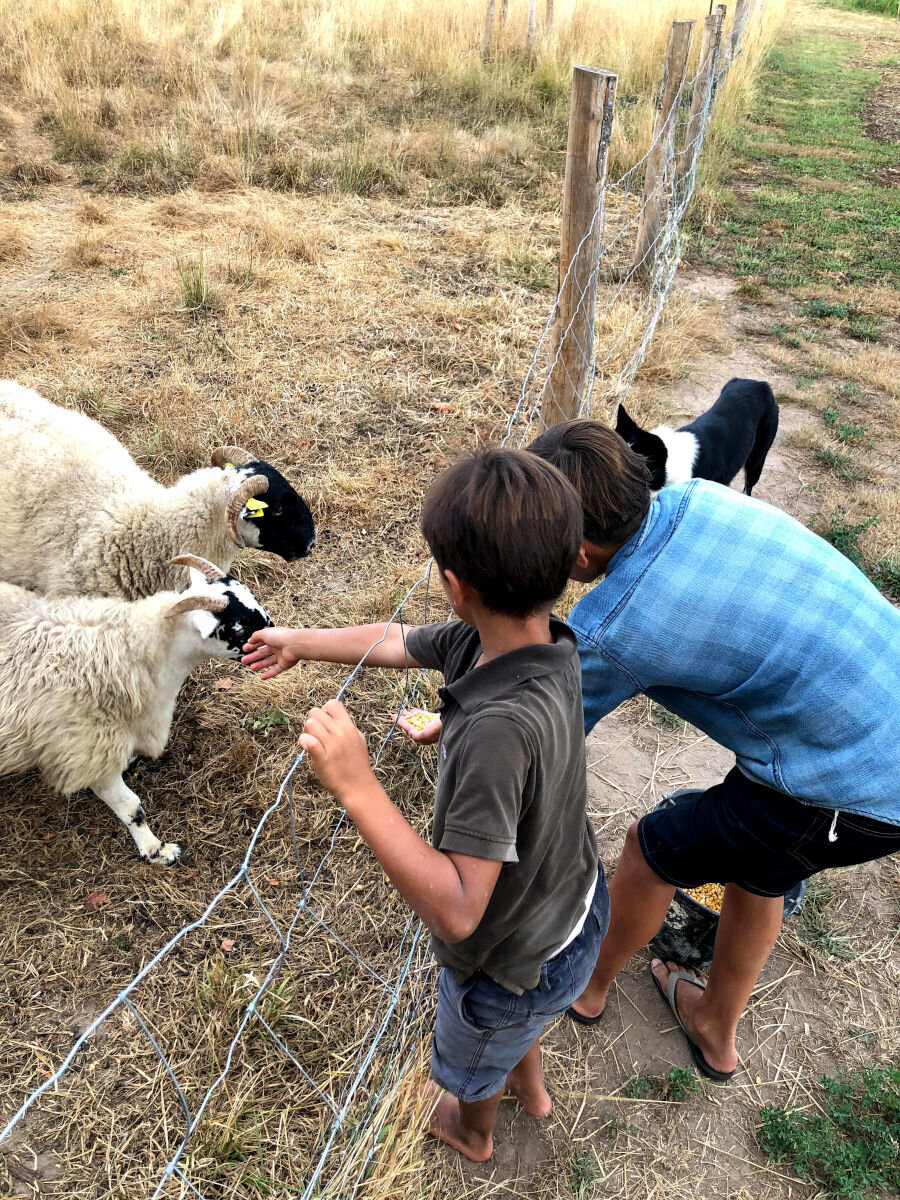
482,1030
765,841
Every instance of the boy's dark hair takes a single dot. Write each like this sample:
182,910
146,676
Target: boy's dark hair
612,481
506,523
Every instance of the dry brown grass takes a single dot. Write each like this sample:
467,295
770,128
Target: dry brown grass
86,252
352,97
12,241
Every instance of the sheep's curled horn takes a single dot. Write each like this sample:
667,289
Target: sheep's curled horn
211,574
231,454
254,486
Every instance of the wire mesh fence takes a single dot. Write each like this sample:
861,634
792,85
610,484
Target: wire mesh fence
187,1115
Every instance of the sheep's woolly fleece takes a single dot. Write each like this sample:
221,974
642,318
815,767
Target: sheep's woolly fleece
89,521
88,684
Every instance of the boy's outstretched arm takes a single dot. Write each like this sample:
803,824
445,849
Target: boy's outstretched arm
271,651
449,891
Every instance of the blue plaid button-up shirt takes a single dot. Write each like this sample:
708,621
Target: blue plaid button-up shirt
743,622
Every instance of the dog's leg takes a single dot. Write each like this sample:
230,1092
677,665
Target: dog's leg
128,808
762,443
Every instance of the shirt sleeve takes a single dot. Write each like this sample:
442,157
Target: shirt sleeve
430,644
604,684
494,772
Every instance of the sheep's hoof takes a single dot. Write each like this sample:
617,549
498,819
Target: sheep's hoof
166,855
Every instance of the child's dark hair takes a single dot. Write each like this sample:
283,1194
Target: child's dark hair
507,524
612,481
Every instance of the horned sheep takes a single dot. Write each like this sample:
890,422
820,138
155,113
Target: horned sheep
82,518
88,684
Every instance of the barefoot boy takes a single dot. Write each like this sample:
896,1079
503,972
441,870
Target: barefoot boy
510,887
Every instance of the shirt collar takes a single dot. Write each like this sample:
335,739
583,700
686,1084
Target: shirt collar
636,540
492,679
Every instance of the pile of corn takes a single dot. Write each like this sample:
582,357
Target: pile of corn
418,717
710,894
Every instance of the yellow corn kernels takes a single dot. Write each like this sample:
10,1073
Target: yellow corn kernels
418,717
710,894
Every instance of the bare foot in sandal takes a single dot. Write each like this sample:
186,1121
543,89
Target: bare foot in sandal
714,1055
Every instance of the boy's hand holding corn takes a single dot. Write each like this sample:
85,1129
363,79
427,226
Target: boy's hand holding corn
337,751
423,727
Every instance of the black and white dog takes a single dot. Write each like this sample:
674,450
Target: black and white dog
736,432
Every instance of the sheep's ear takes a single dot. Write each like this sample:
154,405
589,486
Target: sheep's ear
200,567
193,603
231,456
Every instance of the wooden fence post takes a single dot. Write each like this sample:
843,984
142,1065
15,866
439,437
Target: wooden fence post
488,30
737,29
572,335
721,51
706,73
653,199
721,12
532,25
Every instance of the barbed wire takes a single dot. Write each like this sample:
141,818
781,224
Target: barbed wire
632,294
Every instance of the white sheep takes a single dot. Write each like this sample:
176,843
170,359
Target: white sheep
82,518
87,685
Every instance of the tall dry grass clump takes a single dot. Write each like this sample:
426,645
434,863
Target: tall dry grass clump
303,94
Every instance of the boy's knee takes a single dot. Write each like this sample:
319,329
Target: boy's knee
632,841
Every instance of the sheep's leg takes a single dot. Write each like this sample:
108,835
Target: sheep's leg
128,808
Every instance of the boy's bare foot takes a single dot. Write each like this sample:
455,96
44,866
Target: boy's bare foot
445,1124
716,1046
530,1092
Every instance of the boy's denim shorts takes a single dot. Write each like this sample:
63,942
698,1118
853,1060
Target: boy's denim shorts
483,1030
740,831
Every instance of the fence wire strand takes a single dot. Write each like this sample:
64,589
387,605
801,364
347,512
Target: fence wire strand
636,292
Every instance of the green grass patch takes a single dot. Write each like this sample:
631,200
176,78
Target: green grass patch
366,171
852,1147
885,8
199,296
886,575
844,535
844,431
584,1174
785,335
678,1084
817,206
844,466
866,328
524,267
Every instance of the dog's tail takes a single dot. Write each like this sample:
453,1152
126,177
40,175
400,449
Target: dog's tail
765,436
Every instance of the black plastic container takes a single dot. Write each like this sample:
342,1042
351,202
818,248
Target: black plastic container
688,933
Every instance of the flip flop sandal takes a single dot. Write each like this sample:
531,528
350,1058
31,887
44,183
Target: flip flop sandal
669,997
581,1019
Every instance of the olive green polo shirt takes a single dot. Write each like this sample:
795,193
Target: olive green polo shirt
512,788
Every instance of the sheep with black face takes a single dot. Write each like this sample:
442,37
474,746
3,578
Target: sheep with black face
82,518
87,685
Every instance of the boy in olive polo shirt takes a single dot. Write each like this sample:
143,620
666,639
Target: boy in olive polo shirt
510,887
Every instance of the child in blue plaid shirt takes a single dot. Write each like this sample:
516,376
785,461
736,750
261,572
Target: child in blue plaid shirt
743,622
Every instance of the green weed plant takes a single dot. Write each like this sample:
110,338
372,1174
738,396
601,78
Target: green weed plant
852,1147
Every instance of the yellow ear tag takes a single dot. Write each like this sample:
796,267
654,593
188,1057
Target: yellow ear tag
255,508
230,467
